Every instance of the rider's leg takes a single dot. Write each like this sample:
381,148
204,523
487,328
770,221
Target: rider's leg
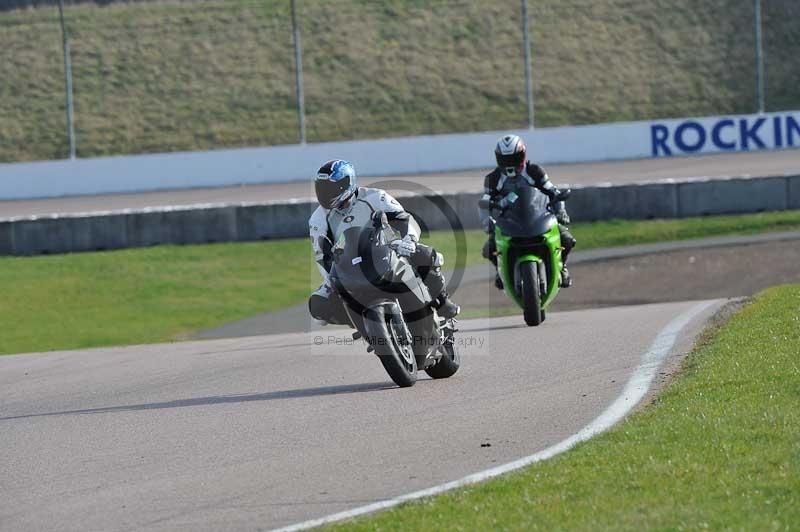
325,305
567,242
489,252
429,267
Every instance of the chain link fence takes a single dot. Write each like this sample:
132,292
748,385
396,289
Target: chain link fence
171,75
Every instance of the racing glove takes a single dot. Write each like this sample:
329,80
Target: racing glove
561,213
405,247
508,201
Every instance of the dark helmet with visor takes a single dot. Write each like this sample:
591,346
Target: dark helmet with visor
335,183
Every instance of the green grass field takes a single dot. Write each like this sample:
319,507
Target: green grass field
165,293
145,295
165,75
718,450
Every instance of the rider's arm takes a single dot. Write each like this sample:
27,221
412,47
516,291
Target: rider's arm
320,242
490,192
537,177
494,190
398,217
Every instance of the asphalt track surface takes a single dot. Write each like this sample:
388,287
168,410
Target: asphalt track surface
262,432
268,431
758,164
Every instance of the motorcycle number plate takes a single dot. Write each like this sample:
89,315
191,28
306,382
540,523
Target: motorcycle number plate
356,260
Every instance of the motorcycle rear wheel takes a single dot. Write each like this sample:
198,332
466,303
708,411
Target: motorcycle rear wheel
448,364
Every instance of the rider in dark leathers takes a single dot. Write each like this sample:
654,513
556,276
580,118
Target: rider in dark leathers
514,171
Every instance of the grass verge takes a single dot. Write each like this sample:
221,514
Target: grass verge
719,450
145,295
164,293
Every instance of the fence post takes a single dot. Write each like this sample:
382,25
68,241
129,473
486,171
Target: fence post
298,70
526,39
67,80
759,59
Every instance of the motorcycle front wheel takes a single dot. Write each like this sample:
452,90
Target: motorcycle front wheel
393,347
531,298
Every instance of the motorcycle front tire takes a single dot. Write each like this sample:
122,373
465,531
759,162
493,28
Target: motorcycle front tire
385,329
531,297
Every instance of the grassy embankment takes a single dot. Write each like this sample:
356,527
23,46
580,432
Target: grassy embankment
163,75
718,450
163,293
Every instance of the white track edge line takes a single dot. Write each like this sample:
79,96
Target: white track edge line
635,390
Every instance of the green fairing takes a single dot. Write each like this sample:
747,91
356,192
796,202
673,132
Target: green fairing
552,239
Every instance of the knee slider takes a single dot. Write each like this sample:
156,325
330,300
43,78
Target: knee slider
488,249
318,307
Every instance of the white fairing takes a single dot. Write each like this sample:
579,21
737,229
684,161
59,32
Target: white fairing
331,223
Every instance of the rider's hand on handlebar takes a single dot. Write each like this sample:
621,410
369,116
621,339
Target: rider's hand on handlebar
561,214
562,195
508,201
557,198
405,247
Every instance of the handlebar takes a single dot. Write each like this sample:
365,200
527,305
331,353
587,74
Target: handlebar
488,204
563,195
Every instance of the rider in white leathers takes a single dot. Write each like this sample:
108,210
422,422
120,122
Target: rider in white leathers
343,205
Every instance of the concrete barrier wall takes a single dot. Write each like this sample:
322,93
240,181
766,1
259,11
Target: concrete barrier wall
698,198
793,191
398,156
262,221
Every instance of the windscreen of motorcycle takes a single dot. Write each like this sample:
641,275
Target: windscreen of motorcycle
528,216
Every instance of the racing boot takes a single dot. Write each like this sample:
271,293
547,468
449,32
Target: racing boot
435,282
568,242
498,281
566,279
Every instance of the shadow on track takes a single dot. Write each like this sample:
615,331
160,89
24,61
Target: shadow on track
225,399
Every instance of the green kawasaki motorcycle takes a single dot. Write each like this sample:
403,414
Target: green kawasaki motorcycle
528,249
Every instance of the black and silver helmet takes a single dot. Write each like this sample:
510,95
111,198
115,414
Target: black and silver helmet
510,153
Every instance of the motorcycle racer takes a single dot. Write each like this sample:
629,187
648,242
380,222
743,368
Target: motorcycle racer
343,204
514,171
